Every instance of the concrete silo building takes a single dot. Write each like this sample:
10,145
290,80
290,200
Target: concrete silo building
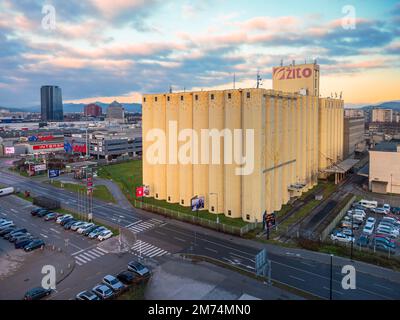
290,133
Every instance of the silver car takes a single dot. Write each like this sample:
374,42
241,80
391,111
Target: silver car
113,283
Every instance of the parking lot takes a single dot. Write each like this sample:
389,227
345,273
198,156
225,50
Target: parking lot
80,262
363,238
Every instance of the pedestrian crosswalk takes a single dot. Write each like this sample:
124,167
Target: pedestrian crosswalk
142,248
89,255
141,226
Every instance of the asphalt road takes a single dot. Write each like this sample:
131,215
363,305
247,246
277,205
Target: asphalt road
308,275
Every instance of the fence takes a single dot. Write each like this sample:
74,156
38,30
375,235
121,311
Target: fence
238,231
335,221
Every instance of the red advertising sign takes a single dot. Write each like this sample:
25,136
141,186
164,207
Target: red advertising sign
288,73
139,192
49,146
79,148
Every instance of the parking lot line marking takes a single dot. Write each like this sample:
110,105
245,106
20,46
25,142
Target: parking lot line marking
296,278
209,249
43,235
13,210
162,233
102,250
54,230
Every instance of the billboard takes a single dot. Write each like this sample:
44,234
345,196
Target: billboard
53,173
294,78
48,146
9,150
39,167
197,203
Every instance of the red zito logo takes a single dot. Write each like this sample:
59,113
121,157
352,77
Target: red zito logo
287,73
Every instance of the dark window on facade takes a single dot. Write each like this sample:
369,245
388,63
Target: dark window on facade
248,95
196,97
155,98
144,99
212,97
156,195
247,216
229,212
169,198
167,98
182,201
181,98
229,95
212,209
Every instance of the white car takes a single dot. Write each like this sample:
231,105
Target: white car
104,235
61,218
371,220
387,230
386,207
81,229
341,238
369,228
77,225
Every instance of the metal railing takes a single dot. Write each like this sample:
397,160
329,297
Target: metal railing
178,215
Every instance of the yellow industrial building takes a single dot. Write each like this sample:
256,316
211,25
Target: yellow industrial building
297,135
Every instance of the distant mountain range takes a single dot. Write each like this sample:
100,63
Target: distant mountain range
395,105
78,107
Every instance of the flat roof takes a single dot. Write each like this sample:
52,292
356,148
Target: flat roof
387,146
343,166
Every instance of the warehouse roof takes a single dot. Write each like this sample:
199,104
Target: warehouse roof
388,146
342,167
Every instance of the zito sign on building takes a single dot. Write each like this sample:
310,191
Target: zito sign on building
296,79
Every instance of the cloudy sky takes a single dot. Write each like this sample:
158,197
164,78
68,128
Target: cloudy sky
117,49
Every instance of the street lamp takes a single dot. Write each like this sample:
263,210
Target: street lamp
352,236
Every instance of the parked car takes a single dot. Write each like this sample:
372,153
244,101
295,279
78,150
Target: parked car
77,224
6,224
368,229
103,292
7,230
128,277
87,295
50,216
392,220
19,237
363,241
371,220
12,235
385,241
13,232
347,224
22,243
340,237
379,211
42,213
87,231
34,212
347,232
113,283
386,232
62,218
82,229
35,244
138,268
383,247
368,204
395,210
69,224
96,232
386,207
37,293
104,235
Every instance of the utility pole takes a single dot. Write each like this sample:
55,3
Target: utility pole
331,279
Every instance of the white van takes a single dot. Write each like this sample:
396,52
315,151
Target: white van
368,204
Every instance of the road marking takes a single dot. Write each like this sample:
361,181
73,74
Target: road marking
147,249
81,259
54,230
132,224
13,210
4,214
162,233
23,219
75,253
237,255
209,249
102,250
98,252
296,278
307,264
378,285
338,292
43,235
78,263
179,239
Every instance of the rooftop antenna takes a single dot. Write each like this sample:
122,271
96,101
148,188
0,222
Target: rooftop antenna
294,63
335,94
170,89
281,62
259,79
341,94
184,89
234,80
315,61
